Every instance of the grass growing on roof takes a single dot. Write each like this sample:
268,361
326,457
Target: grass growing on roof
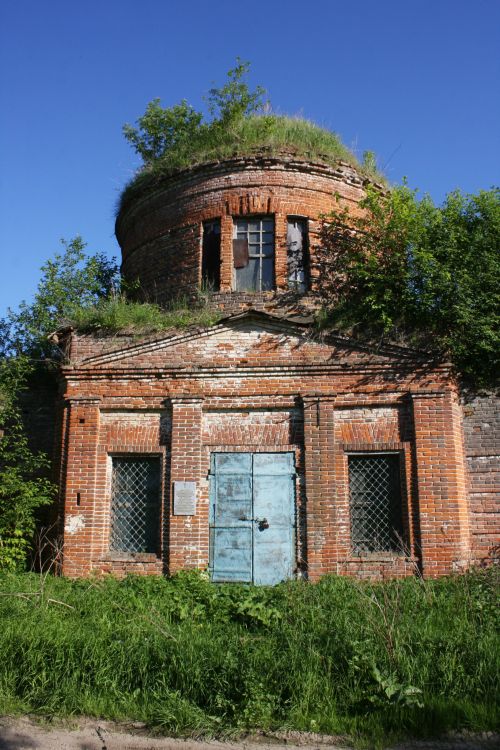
375,661
115,314
239,124
271,135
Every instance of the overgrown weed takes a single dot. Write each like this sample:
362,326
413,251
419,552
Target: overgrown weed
375,661
117,313
255,135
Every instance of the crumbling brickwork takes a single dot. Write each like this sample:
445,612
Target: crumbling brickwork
482,448
161,236
257,383
384,483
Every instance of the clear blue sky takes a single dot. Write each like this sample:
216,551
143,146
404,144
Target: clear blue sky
416,82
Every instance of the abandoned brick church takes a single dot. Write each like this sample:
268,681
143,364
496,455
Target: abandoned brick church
251,447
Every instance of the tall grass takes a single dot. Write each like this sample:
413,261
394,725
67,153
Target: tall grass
189,657
257,134
116,313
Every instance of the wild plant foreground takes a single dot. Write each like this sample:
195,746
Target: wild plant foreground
191,658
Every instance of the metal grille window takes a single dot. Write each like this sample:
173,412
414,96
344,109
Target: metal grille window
375,502
254,268
135,504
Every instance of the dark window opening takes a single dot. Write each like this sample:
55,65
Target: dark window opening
210,257
253,254
375,503
298,254
135,504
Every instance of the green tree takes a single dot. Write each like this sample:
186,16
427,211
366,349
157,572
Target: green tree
406,267
235,100
70,280
23,486
160,130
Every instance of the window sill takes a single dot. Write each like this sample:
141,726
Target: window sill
138,557
382,556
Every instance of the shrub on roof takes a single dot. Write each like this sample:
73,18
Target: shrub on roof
178,137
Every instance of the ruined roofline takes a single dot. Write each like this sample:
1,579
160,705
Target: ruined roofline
285,160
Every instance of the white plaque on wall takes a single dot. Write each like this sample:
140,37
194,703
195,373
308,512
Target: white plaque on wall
184,498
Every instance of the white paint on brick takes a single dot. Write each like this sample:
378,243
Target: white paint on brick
368,414
130,418
74,524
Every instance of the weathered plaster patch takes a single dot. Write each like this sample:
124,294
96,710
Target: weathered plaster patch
74,524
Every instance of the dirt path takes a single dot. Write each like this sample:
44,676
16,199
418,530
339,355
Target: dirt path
24,734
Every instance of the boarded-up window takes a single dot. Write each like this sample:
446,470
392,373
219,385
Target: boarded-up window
135,504
375,502
210,258
298,255
253,254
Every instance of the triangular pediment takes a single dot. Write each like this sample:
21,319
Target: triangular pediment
248,339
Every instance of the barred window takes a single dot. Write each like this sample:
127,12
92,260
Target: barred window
135,504
375,502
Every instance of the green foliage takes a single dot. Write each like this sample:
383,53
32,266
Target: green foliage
375,661
23,488
161,130
234,100
431,274
267,134
178,137
116,313
369,162
70,280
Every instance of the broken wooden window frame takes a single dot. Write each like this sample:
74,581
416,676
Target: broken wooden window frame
257,274
297,242
211,255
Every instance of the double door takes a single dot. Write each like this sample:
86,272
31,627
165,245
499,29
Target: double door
252,517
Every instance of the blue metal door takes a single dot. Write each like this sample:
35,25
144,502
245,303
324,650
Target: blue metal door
252,517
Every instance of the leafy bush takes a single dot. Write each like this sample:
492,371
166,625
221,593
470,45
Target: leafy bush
431,274
69,280
162,130
23,486
190,657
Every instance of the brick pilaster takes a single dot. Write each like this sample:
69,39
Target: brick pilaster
187,535
281,254
319,462
226,254
442,500
79,485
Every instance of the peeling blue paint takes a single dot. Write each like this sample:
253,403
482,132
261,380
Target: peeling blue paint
252,517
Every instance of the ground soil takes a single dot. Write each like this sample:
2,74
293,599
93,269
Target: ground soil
26,734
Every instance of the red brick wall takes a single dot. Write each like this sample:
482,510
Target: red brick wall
160,233
482,448
257,385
